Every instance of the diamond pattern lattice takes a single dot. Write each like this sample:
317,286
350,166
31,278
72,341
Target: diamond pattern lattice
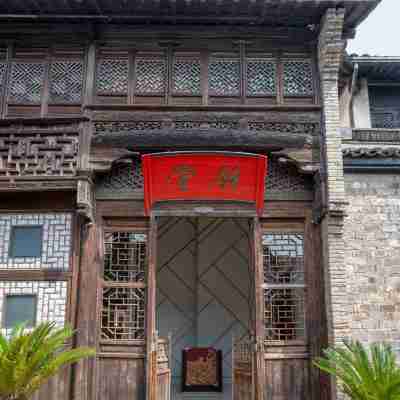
285,178
66,81
150,75
26,82
122,179
186,76
384,120
261,77
112,76
224,77
297,78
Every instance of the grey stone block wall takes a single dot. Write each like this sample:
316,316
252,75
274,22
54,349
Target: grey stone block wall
372,256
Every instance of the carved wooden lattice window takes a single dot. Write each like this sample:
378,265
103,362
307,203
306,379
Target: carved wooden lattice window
151,74
2,72
284,285
112,76
224,76
186,78
26,82
260,77
297,78
385,120
124,287
66,81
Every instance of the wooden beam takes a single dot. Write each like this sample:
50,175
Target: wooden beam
200,139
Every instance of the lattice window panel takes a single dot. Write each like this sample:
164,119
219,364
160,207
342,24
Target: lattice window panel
284,314
186,76
297,78
125,256
112,77
122,179
66,81
2,72
384,120
261,77
283,258
123,314
284,286
151,75
285,178
26,82
224,77
39,154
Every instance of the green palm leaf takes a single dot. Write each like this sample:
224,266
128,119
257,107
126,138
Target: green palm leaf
29,359
363,373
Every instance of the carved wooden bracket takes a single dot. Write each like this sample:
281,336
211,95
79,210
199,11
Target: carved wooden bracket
84,196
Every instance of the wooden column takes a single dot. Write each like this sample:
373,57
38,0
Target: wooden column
86,314
151,336
259,309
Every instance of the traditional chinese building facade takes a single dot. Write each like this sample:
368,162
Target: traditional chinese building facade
172,185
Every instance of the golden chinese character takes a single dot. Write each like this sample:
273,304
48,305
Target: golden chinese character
182,174
228,176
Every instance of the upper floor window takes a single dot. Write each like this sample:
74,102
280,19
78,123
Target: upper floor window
44,80
385,106
26,241
203,77
19,309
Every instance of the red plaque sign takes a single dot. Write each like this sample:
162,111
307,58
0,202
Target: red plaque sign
204,176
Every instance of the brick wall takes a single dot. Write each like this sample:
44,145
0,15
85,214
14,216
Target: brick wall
372,238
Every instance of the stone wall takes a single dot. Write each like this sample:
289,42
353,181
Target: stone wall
372,248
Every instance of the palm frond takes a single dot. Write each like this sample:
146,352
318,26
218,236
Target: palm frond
29,358
363,373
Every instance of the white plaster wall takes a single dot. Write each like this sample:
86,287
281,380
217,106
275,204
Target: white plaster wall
56,241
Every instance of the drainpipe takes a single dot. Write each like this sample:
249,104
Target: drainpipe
352,92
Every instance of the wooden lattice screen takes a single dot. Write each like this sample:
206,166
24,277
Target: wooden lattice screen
124,286
284,286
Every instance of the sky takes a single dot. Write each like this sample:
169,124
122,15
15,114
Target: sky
379,34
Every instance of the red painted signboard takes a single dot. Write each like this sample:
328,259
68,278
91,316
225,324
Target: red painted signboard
204,176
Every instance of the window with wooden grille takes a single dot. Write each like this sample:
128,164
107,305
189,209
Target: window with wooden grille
123,286
284,285
384,106
204,77
31,68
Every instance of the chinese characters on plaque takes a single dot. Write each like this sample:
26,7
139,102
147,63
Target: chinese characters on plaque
204,176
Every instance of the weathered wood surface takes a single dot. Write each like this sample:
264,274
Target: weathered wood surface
121,379
201,139
57,387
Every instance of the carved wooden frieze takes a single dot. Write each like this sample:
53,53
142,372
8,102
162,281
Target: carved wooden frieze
38,154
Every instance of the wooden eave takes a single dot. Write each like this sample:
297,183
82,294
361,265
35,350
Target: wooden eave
272,12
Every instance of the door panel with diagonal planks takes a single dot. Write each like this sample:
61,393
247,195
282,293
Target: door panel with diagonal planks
204,287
